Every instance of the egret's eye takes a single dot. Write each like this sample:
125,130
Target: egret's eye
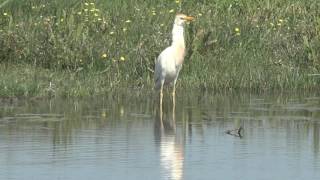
181,18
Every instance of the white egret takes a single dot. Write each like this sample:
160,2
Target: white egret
170,60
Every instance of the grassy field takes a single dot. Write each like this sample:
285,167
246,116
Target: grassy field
79,48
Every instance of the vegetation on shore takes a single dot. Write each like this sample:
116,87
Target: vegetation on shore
88,47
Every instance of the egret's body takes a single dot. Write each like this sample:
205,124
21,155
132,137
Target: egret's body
169,62
168,66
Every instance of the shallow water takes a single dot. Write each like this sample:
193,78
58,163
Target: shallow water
124,136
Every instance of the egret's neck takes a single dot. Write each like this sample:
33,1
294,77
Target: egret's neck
178,36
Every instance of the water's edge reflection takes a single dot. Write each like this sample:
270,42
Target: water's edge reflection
170,145
181,140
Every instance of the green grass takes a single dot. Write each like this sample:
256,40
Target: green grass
87,49
26,80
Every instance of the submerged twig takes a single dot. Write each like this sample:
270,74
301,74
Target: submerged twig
235,132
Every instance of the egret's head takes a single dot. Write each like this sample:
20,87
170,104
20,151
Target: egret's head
181,19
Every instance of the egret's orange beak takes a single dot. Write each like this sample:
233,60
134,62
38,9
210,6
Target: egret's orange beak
189,18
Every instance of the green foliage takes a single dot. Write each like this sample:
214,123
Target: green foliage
233,44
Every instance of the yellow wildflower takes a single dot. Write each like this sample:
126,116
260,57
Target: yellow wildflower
280,20
236,29
92,3
104,55
171,11
122,58
5,14
177,1
79,13
124,29
99,19
85,10
200,14
87,4
61,20
96,15
128,21
111,33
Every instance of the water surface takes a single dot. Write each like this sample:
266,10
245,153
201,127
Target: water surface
126,136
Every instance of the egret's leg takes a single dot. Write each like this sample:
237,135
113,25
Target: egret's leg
174,95
161,117
174,105
174,112
174,90
161,97
174,84
161,93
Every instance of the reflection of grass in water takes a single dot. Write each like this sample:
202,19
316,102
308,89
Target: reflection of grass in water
36,118
61,118
87,48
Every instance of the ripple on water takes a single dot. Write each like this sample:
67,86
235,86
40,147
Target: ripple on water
121,138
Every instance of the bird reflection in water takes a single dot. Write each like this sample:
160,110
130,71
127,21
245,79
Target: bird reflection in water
171,145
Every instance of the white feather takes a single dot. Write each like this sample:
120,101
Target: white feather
169,62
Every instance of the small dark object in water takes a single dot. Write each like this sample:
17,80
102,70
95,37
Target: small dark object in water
235,132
